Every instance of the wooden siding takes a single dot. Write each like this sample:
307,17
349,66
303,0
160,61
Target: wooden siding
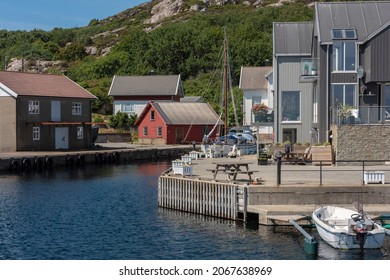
323,86
376,58
344,78
26,122
7,124
288,71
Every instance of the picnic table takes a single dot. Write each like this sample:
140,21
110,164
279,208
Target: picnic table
232,169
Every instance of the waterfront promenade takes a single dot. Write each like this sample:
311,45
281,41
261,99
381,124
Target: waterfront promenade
302,188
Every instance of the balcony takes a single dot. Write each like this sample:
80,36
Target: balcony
308,70
265,118
367,115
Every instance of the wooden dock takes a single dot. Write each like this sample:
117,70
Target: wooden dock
271,204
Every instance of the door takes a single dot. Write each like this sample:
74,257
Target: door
62,138
56,111
178,135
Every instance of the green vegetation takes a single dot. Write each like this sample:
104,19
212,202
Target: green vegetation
189,44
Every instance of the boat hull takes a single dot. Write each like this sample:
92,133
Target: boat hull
336,230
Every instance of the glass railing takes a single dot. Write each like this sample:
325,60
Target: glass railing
264,116
347,115
309,67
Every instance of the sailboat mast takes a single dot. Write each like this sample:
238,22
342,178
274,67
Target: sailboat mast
225,84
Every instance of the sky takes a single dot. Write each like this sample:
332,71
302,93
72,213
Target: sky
48,14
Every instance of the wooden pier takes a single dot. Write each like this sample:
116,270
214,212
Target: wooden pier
200,192
210,198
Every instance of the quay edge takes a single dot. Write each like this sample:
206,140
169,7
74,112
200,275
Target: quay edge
29,160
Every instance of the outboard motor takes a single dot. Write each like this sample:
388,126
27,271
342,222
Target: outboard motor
361,232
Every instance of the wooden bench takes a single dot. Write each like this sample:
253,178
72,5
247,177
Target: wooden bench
235,173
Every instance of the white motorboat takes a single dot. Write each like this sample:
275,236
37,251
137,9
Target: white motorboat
343,228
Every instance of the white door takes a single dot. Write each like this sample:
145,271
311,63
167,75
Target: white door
62,138
56,111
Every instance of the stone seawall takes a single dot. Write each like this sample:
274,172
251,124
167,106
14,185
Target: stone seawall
361,142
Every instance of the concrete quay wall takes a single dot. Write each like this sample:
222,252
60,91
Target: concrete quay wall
295,195
25,161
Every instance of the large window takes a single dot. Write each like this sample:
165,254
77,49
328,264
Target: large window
344,56
291,106
76,108
344,94
33,107
387,102
128,108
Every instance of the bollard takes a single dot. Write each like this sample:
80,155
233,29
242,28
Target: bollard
278,168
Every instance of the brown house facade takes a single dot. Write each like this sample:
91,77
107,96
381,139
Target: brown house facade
43,112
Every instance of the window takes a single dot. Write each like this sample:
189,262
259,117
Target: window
152,115
36,133
256,100
159,131
343,94
315,104
291,106
128,108
33,107
145,131
344,56
343,34
80,132
290,134
76,108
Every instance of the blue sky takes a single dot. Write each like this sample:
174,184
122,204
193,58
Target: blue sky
48,14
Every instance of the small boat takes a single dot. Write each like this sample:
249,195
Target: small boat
343,228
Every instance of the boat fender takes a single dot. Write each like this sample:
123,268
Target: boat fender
80,160
70,161
49,162
38,163
26,164
108,158
117,157
15,165
99,158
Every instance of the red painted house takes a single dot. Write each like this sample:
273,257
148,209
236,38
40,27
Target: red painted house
176,122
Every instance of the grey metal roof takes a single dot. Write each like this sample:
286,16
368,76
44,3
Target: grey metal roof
368,18
187,113
254,77
292,38
191,99
151,85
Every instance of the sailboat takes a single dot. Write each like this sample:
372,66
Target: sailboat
236,140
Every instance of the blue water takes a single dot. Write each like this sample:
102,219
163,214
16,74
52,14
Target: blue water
111,212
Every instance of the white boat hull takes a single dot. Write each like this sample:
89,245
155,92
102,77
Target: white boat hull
335,227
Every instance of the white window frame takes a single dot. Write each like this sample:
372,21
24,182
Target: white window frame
336,65
145,131
159,131
300,106
36,133
76,108
80,132
128,108
152,115
315,104
33,107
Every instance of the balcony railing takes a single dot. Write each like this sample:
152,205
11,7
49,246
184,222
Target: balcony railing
308,68
346,115
264,117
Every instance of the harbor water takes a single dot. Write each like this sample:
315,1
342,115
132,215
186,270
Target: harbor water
111,213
